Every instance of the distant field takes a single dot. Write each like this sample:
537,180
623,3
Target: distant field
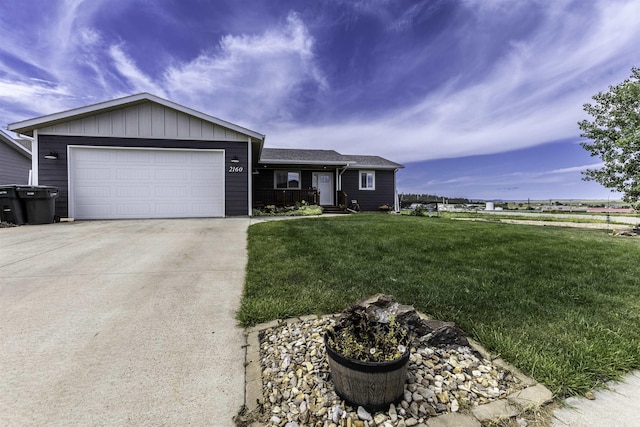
580,217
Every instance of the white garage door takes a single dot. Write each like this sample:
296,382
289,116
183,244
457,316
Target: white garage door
111,183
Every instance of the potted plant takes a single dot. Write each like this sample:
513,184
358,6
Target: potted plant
368,354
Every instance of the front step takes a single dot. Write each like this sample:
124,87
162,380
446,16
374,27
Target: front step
333,210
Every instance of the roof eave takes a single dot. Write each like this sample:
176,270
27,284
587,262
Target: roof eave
387,167
303,162
15,145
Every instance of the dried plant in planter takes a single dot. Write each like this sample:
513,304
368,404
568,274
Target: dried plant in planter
368,357
358,337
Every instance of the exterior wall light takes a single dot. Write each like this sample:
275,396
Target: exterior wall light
235,159
53,155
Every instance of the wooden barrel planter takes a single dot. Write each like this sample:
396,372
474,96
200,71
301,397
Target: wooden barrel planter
372,385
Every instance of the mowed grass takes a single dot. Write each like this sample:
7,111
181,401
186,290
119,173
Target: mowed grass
563,305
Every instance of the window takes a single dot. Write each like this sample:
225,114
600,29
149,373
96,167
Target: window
367,180
287,179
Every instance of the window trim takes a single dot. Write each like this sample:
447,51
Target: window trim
373,175
275,179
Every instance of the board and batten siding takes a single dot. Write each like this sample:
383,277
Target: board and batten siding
14,167
54,172
146,120
370,200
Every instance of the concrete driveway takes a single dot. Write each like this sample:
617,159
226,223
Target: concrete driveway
122,322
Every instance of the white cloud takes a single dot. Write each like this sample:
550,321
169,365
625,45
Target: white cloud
243,78
578,168
138,81
251,78
20,95
532,95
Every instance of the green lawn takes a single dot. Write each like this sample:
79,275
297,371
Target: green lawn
561,304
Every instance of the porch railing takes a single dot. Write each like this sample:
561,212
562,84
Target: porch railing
342,199
285,197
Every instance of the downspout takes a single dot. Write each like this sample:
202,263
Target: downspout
340,176
396,201
250,177
34,158
346,166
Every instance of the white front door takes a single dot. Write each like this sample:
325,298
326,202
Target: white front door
323,182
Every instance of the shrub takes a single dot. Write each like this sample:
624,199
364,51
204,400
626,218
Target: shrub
301,209
418,211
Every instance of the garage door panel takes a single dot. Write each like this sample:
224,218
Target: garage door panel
93,173
126,156
142,183
202,208
123,174
199,161
88,211
199,174
167,174
103,192
203,191
175,209
133,210
173,191
130,192
172,158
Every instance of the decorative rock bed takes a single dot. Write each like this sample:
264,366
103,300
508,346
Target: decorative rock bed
289,384
297,389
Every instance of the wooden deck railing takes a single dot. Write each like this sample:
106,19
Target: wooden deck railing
285,197
342,199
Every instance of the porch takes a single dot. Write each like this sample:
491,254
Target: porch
290,197
280,197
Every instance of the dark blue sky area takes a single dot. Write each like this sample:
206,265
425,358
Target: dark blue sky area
478,98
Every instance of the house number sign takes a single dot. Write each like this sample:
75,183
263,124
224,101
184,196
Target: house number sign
235,169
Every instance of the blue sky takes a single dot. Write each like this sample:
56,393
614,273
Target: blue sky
477,98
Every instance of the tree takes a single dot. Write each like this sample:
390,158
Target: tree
615,137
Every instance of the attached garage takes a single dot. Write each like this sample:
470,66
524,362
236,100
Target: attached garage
121,182
143,157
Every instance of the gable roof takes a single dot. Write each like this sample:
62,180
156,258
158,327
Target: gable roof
27,127
301,156
11,142
373,162
323,157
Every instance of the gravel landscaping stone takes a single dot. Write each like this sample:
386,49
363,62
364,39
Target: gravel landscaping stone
297,389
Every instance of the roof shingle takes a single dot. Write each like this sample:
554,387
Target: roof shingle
324,157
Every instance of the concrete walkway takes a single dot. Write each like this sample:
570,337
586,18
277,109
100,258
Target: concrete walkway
619,406
122,322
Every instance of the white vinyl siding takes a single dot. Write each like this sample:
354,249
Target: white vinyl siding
116,183
367,180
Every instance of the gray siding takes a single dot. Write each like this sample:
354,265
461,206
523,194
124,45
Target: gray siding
54,172
263,180
370,200
14,167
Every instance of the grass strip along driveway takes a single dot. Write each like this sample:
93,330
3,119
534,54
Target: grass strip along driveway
561,304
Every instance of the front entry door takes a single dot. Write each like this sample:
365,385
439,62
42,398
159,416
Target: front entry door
323,182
